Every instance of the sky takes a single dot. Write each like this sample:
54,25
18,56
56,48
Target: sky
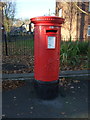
27,9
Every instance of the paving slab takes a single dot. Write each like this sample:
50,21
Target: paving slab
23,102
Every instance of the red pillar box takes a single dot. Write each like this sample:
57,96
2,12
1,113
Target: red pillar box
47,35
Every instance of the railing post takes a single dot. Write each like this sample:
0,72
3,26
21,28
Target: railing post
6,50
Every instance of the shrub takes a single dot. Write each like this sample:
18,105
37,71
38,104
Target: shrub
71,52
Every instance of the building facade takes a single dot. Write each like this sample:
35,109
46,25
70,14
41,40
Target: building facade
0,20
77,23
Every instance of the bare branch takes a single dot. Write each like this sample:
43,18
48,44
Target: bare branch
81,9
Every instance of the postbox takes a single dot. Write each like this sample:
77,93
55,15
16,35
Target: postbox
47,36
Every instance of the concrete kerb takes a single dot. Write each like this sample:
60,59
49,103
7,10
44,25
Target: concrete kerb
28,76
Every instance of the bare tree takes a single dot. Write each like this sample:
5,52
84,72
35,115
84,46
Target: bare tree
69,15
81,9
75,13
9,14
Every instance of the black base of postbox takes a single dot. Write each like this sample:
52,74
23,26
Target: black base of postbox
46,90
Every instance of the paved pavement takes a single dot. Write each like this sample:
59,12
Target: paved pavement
72,101
26,76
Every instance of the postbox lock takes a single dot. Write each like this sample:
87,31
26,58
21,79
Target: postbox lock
52,27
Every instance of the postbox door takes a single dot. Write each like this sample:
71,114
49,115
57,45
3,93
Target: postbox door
52,54
47,53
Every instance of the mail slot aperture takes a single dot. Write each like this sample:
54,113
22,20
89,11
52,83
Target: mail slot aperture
53,31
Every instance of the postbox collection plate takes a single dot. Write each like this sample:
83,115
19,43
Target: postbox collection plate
51,42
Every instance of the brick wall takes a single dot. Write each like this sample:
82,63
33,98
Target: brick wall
79,20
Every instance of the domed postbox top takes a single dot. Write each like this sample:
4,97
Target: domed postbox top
47,20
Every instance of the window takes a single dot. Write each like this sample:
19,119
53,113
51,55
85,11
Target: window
88,31
60,13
